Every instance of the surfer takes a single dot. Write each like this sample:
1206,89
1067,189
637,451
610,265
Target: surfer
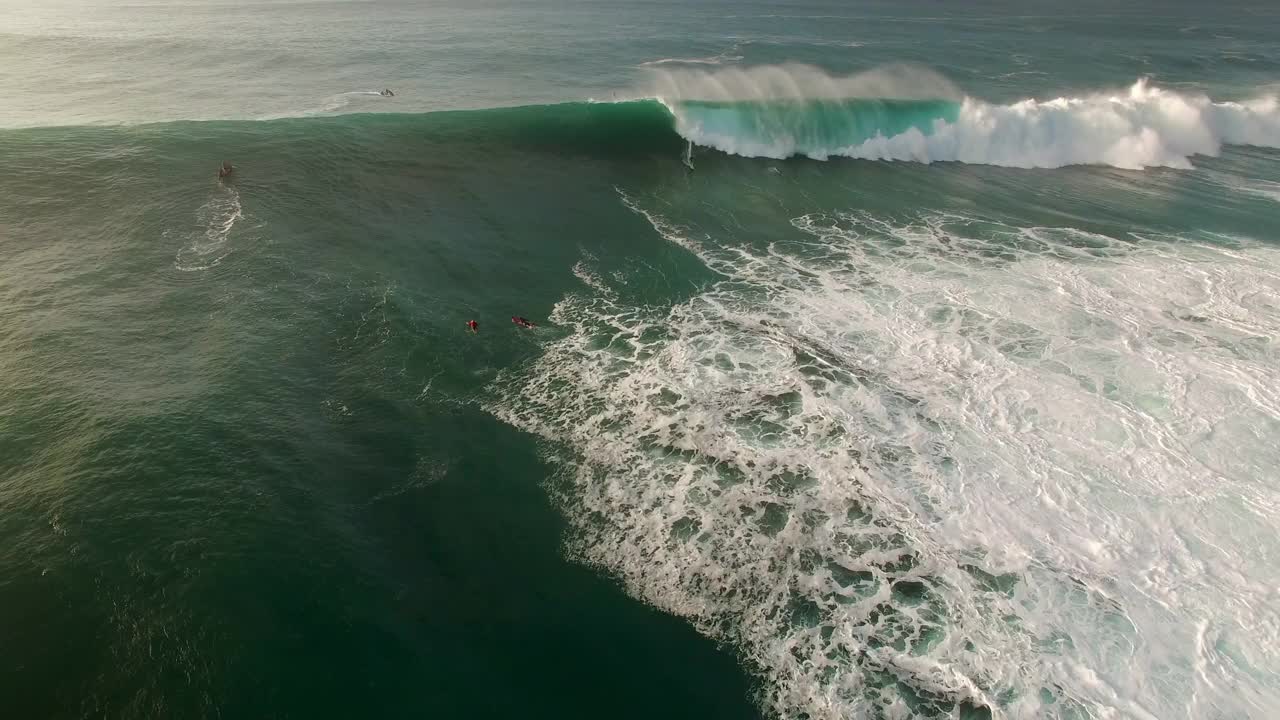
522,322
386,92
226,169
473,326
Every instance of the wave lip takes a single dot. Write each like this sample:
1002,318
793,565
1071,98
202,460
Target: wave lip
1144,127
815,129
910,114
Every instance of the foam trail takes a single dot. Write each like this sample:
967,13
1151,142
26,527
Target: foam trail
914,467
724,57
1142,126
712,60
208,246
342,100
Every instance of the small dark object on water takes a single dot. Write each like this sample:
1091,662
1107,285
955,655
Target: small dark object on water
522,322
473,326
386,92
226,169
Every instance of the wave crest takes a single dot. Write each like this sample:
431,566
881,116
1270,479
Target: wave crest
910,114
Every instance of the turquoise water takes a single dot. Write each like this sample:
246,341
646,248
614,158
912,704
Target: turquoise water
895,360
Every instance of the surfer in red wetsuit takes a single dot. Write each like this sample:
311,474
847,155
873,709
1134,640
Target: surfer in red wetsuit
473,326
522,322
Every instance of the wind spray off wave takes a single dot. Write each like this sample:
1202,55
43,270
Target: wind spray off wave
914,115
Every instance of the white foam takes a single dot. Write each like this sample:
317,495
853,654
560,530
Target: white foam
1143,127
721,59
208,245
710,60
582,270
1139,127
1057,446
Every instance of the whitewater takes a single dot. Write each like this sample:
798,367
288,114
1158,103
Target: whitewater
937,464
785,111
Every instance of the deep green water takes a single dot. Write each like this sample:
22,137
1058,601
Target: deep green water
858,391
263,488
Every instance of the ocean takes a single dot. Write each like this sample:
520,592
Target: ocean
892,360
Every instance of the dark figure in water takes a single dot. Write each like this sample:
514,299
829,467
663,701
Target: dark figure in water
522,322
387,93
226,169
473,326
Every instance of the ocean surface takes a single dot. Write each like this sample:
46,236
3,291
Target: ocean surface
894,360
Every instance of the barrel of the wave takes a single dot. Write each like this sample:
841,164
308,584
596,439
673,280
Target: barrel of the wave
817,129
1139,127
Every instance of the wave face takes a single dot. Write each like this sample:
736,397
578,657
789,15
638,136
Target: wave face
914,115
817,129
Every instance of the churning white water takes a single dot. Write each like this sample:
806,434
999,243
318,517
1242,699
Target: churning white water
1136,127
931,464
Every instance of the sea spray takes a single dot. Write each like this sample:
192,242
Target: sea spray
910,114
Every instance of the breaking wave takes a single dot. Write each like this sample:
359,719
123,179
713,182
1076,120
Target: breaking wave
913,115
937,466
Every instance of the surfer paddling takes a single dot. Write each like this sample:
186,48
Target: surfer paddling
226,169
522,322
